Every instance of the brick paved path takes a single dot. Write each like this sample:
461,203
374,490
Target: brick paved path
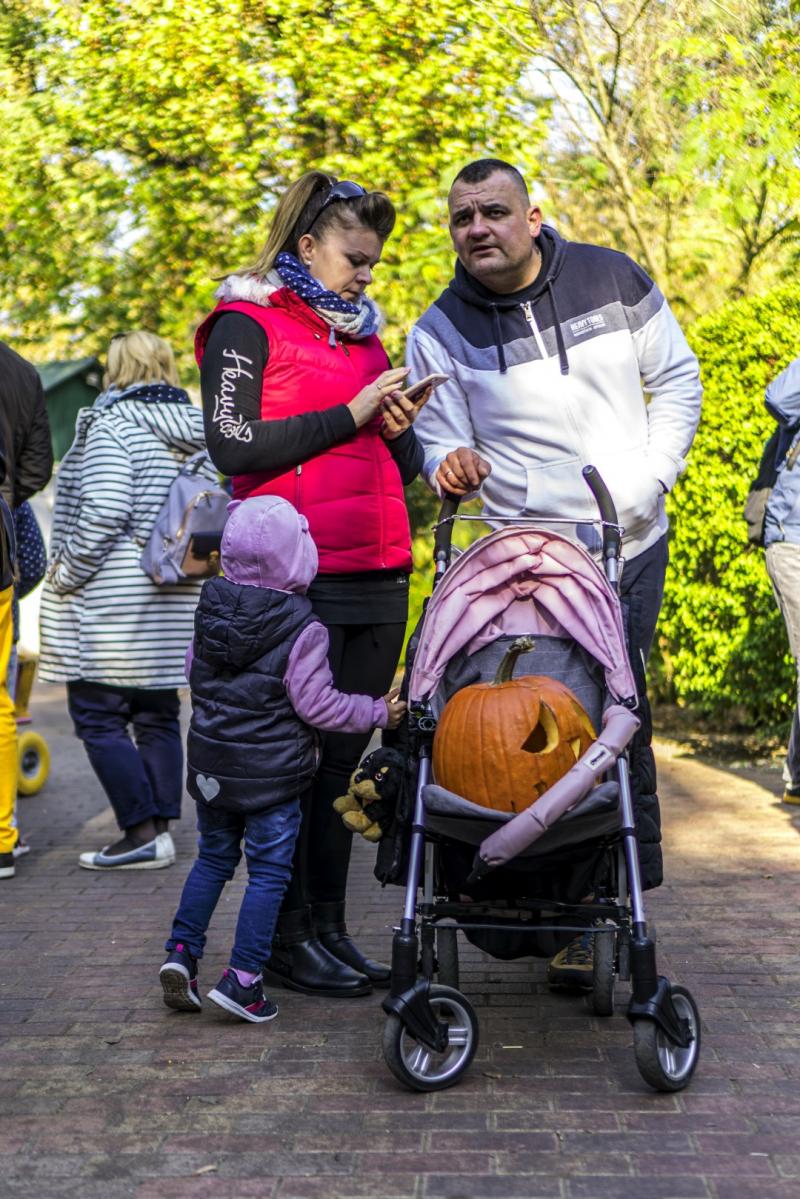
105,1093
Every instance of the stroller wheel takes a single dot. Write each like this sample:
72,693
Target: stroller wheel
424,1069
33,759
602,999
663,1064
447,955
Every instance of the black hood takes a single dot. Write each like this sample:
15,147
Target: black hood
468,289
235,625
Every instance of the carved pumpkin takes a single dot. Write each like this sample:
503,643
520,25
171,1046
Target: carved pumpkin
503,744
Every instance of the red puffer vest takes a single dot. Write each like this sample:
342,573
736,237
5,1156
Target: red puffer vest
352,494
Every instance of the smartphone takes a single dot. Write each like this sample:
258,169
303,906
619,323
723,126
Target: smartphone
417,390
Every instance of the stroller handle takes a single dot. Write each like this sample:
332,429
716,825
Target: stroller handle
443,534
608,512
612,538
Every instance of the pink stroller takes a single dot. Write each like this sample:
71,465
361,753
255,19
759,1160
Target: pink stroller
517,885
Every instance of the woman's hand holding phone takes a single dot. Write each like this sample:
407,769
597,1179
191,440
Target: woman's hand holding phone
400,408
370,400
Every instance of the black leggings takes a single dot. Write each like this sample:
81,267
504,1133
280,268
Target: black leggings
363,659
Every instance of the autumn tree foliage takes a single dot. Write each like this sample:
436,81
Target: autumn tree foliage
145,141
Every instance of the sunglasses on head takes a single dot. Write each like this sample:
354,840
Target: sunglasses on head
346,190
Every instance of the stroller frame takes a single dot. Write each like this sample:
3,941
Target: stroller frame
431,1034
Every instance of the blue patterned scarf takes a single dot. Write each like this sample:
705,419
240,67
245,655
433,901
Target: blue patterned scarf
151,393
359,319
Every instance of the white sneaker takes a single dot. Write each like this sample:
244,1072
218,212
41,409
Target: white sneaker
155,855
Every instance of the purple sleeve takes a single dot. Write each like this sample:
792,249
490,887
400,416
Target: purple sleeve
309,683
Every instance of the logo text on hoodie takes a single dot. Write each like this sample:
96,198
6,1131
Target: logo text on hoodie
587,324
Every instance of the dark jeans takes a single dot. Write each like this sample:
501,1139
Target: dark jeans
643,576
363,659
142,776
269,840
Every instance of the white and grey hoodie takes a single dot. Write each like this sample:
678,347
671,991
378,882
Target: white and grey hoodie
555,377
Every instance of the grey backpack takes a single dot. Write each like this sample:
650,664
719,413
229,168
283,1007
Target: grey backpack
185,541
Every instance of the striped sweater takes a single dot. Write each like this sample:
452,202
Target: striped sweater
550,379
102,618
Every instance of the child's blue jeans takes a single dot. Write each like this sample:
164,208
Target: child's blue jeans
269,838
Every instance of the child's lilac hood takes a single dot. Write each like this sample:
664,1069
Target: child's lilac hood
266,543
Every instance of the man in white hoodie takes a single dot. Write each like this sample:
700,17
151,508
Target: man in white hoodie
559,355
551,348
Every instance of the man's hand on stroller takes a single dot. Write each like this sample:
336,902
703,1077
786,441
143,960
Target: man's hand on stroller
395,707
462,471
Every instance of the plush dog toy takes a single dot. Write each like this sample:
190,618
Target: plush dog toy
371,799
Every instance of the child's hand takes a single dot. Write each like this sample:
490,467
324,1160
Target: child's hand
395,707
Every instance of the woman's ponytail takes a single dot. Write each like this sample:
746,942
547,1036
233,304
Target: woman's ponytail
292,207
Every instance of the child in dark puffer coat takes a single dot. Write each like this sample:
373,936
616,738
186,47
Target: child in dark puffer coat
261,684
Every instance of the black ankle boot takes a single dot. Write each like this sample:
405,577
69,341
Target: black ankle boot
332,932
301,963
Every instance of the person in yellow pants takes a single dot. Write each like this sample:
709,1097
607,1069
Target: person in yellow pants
26,463
8,741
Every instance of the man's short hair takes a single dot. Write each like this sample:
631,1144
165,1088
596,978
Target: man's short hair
480,170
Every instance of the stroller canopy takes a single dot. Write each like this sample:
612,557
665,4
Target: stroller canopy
522,580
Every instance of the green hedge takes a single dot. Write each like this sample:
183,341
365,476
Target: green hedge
722,646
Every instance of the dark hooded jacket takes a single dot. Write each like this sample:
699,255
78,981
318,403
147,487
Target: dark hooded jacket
24,427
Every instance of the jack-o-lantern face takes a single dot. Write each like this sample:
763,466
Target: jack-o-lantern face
503,744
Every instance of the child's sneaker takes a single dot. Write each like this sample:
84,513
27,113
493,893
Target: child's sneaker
248,1002
179,981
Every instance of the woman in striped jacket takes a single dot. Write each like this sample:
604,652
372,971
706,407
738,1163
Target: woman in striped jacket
115,638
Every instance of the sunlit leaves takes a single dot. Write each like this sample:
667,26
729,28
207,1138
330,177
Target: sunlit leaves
145,142
692,109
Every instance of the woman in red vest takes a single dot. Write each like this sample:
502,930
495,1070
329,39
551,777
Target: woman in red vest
300,401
